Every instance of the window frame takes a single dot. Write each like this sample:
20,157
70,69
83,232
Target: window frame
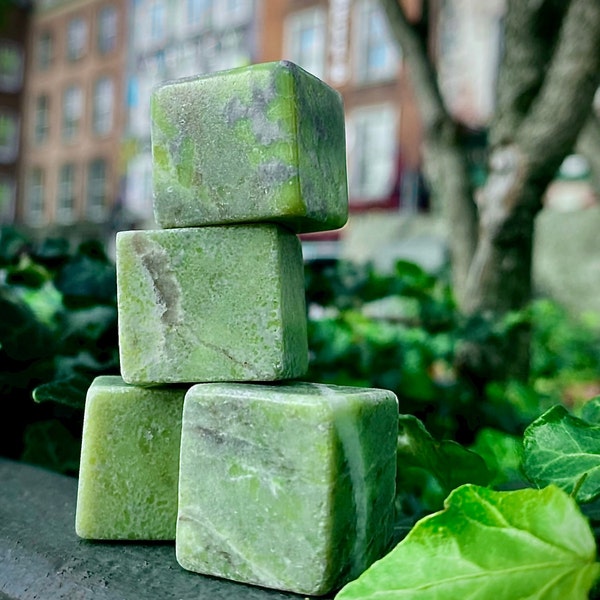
66,197
35,213
9,147
77,40
313,18
360,125
7,208
108,29
364,39
12,82
103,106
72,112
41,119
96,210
44,50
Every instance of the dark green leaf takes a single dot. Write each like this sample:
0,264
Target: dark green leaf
86,281
564,450
591,411
22,335
450,463
503,454
51,445
70,391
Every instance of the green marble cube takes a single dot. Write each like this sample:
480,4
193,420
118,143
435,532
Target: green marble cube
288,486
129,465
211,304
252,144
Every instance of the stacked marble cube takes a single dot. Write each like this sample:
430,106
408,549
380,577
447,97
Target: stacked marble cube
209,437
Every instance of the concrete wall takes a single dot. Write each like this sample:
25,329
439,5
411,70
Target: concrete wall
567,258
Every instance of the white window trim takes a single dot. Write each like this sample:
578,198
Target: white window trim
362,9
386,151
295,23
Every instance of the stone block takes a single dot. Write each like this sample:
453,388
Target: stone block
129,465
211,304
288,486
254,144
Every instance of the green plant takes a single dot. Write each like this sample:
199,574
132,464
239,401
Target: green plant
533,542
59,330
493,517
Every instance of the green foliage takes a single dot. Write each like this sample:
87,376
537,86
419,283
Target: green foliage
403,332
565,450
489,544
428,470
59,330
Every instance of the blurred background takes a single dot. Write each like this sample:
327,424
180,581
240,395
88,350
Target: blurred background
76,78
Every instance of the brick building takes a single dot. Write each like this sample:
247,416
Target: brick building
73,113
93,63
14,18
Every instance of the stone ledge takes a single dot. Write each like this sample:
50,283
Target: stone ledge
41,557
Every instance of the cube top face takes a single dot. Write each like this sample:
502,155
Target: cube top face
289,486
211,304
129,465
259,143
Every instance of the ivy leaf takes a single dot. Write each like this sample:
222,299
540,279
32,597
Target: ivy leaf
502,453
70,391
565,450
518,545
449,462
591,411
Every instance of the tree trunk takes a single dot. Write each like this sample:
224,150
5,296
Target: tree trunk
445,162
524,163
548,76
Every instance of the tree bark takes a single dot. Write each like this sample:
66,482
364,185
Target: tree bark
445,162
522,166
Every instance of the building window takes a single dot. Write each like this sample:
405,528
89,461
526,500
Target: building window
96,190
7,199
9,136
65,206
72,111
77,31
34,202
44,51
107,29
158,21
232,13
376,54
41,124
372,152
11,66
103,106
199,13
305,34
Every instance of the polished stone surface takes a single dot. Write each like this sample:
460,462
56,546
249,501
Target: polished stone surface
253,144
289,486
211,304
129,467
